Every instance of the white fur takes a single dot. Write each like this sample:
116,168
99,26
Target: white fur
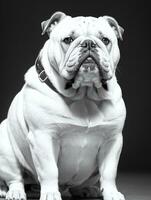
63,140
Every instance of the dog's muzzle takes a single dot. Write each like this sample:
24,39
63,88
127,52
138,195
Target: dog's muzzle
90,69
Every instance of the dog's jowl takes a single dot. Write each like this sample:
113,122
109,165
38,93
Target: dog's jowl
65,125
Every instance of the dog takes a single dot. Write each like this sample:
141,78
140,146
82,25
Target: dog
65,125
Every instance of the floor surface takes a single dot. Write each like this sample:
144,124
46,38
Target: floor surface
135,186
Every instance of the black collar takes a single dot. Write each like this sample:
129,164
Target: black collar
43,76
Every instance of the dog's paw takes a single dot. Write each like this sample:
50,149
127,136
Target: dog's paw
51,196
16,192
112,194
3,191
15,195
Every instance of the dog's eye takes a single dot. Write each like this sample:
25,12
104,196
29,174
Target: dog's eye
68,40
105,40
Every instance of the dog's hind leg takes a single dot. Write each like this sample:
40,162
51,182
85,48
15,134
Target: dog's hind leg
10,171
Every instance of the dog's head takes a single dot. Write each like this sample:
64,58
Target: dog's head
84,50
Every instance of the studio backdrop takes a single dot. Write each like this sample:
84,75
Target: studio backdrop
21,40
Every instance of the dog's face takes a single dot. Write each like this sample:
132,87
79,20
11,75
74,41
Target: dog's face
83,49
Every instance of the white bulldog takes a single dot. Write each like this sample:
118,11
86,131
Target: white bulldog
65,126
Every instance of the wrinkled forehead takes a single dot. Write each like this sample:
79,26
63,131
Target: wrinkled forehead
85,26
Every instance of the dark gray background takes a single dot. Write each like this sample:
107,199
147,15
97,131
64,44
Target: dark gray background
21,41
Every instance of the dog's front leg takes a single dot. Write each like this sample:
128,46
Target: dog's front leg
45,150
108,162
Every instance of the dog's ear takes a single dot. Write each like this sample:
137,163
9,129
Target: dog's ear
49,24
116,27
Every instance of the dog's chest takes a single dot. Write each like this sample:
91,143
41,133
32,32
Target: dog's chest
85,113
81,141
90,114
79,148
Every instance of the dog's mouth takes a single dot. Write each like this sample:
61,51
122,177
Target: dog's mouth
88,64
89,72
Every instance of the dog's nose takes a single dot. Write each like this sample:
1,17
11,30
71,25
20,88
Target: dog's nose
88,44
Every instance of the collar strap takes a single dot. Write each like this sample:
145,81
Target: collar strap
43,76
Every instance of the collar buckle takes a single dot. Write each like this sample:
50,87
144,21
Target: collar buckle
42,76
